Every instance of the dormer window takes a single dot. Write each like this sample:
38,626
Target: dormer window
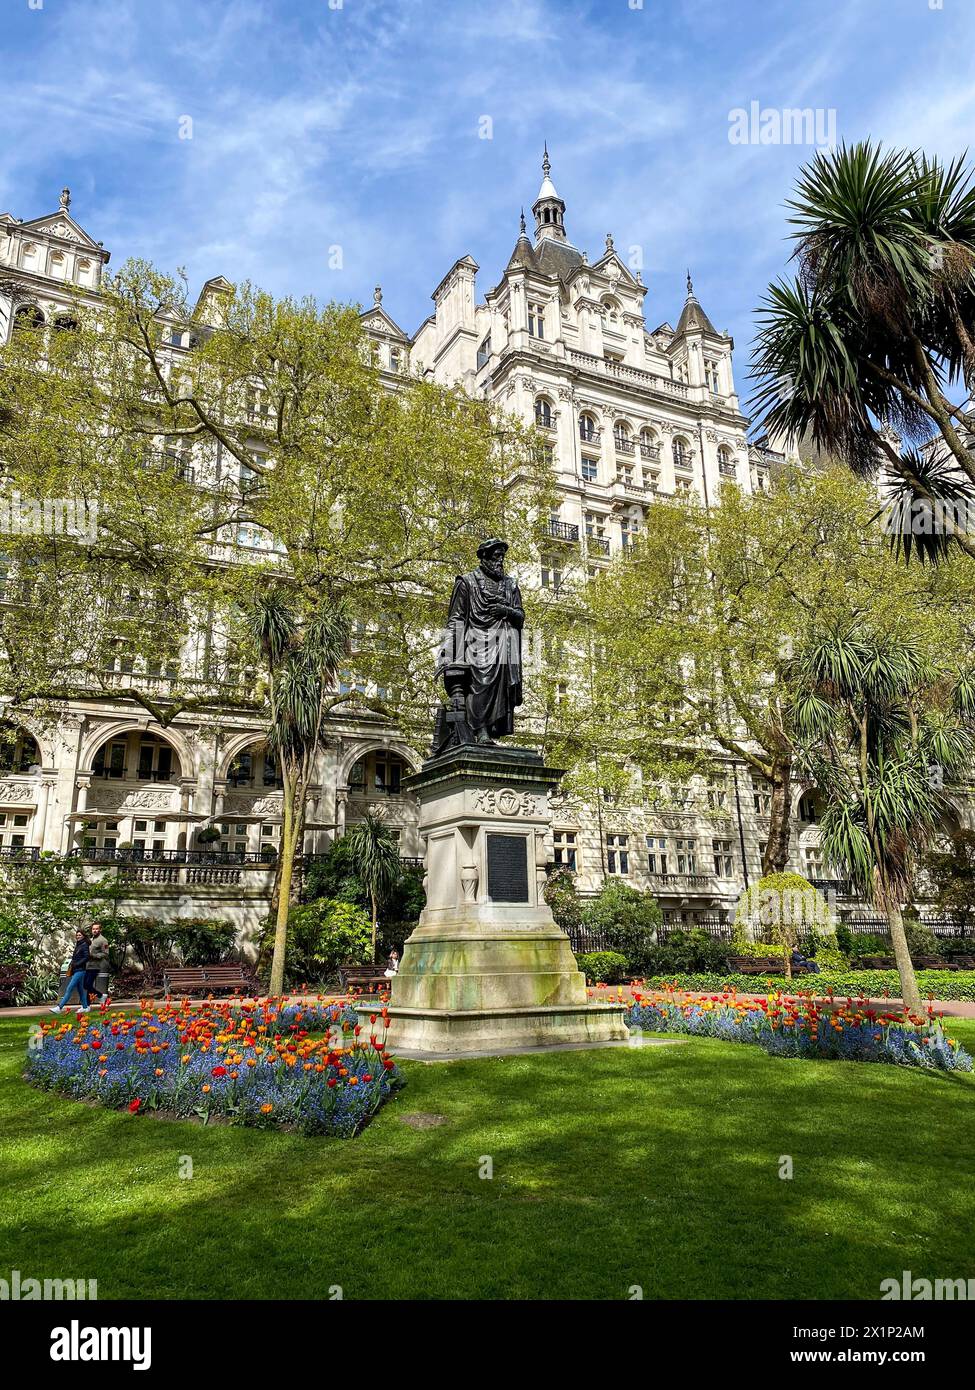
536,319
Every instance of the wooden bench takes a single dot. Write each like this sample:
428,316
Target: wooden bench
761,965
367,977
874,963
207,979
11,979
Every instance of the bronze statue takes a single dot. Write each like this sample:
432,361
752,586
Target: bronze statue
480,658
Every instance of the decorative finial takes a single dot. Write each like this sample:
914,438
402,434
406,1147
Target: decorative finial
522,224
585,258
377,294
690,283
546,164
65,199
639,277
609,241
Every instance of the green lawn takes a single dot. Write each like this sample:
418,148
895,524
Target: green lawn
655,1166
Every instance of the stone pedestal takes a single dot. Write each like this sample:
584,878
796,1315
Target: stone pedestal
487,967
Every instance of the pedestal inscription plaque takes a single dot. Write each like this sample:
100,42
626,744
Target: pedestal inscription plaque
507,866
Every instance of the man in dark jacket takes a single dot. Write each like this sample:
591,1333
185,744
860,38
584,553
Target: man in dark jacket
76,975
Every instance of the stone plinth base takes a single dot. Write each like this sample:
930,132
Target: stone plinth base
461,1031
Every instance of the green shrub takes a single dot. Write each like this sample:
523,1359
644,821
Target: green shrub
869,944
692,950
322,935
627,920
602,967
933,984
562,897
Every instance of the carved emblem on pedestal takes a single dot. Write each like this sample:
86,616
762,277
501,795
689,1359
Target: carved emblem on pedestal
506,802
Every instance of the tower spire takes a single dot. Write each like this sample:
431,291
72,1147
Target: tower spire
548,207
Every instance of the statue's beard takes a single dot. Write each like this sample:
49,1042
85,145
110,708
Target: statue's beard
494,569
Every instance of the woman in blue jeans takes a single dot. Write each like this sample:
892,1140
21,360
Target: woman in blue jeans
76,975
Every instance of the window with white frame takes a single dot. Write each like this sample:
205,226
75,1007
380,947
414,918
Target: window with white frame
551,579
543,413
590,469
711,378
588,429
149,836
762,795
686,850
629,530
14,828
566,849
618,854
536,319
657,854
724,860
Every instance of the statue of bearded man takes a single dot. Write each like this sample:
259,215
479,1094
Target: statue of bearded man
480,658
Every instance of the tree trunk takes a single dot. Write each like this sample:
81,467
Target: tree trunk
775,857
289,843
375,923
910,993
299,815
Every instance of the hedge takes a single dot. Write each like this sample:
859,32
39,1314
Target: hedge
933,984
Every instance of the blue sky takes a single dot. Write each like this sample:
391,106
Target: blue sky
357,123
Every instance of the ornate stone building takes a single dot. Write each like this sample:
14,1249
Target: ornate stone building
628,411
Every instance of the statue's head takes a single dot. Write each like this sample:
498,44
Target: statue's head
491,554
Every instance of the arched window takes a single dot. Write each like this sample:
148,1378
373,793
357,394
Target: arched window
726,462
18,749
682,453
649,447
587,429
612,307
621,432
543,413
28,317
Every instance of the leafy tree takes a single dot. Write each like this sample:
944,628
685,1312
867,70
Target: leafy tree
951,870
887,731
300,663
680,654
879,325
43,902
374,854
782,907
270,427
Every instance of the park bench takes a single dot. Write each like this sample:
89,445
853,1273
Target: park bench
366,977
11,979
875,963
761,965
207,979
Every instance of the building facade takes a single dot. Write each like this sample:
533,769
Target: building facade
627,412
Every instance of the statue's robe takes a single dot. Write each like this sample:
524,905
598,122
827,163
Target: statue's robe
487,651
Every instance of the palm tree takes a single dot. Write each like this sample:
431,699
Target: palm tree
884,732
879,324
374,855
300,663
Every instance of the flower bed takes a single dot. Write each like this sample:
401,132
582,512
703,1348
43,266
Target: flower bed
878,984
258,1064
800,1026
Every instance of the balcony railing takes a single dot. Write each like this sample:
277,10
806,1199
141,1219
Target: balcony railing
598,545
623,445
602,366
590,436
730,470
650,451
683,463
563,531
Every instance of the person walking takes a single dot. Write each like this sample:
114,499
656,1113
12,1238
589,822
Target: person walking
96,976
76,975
